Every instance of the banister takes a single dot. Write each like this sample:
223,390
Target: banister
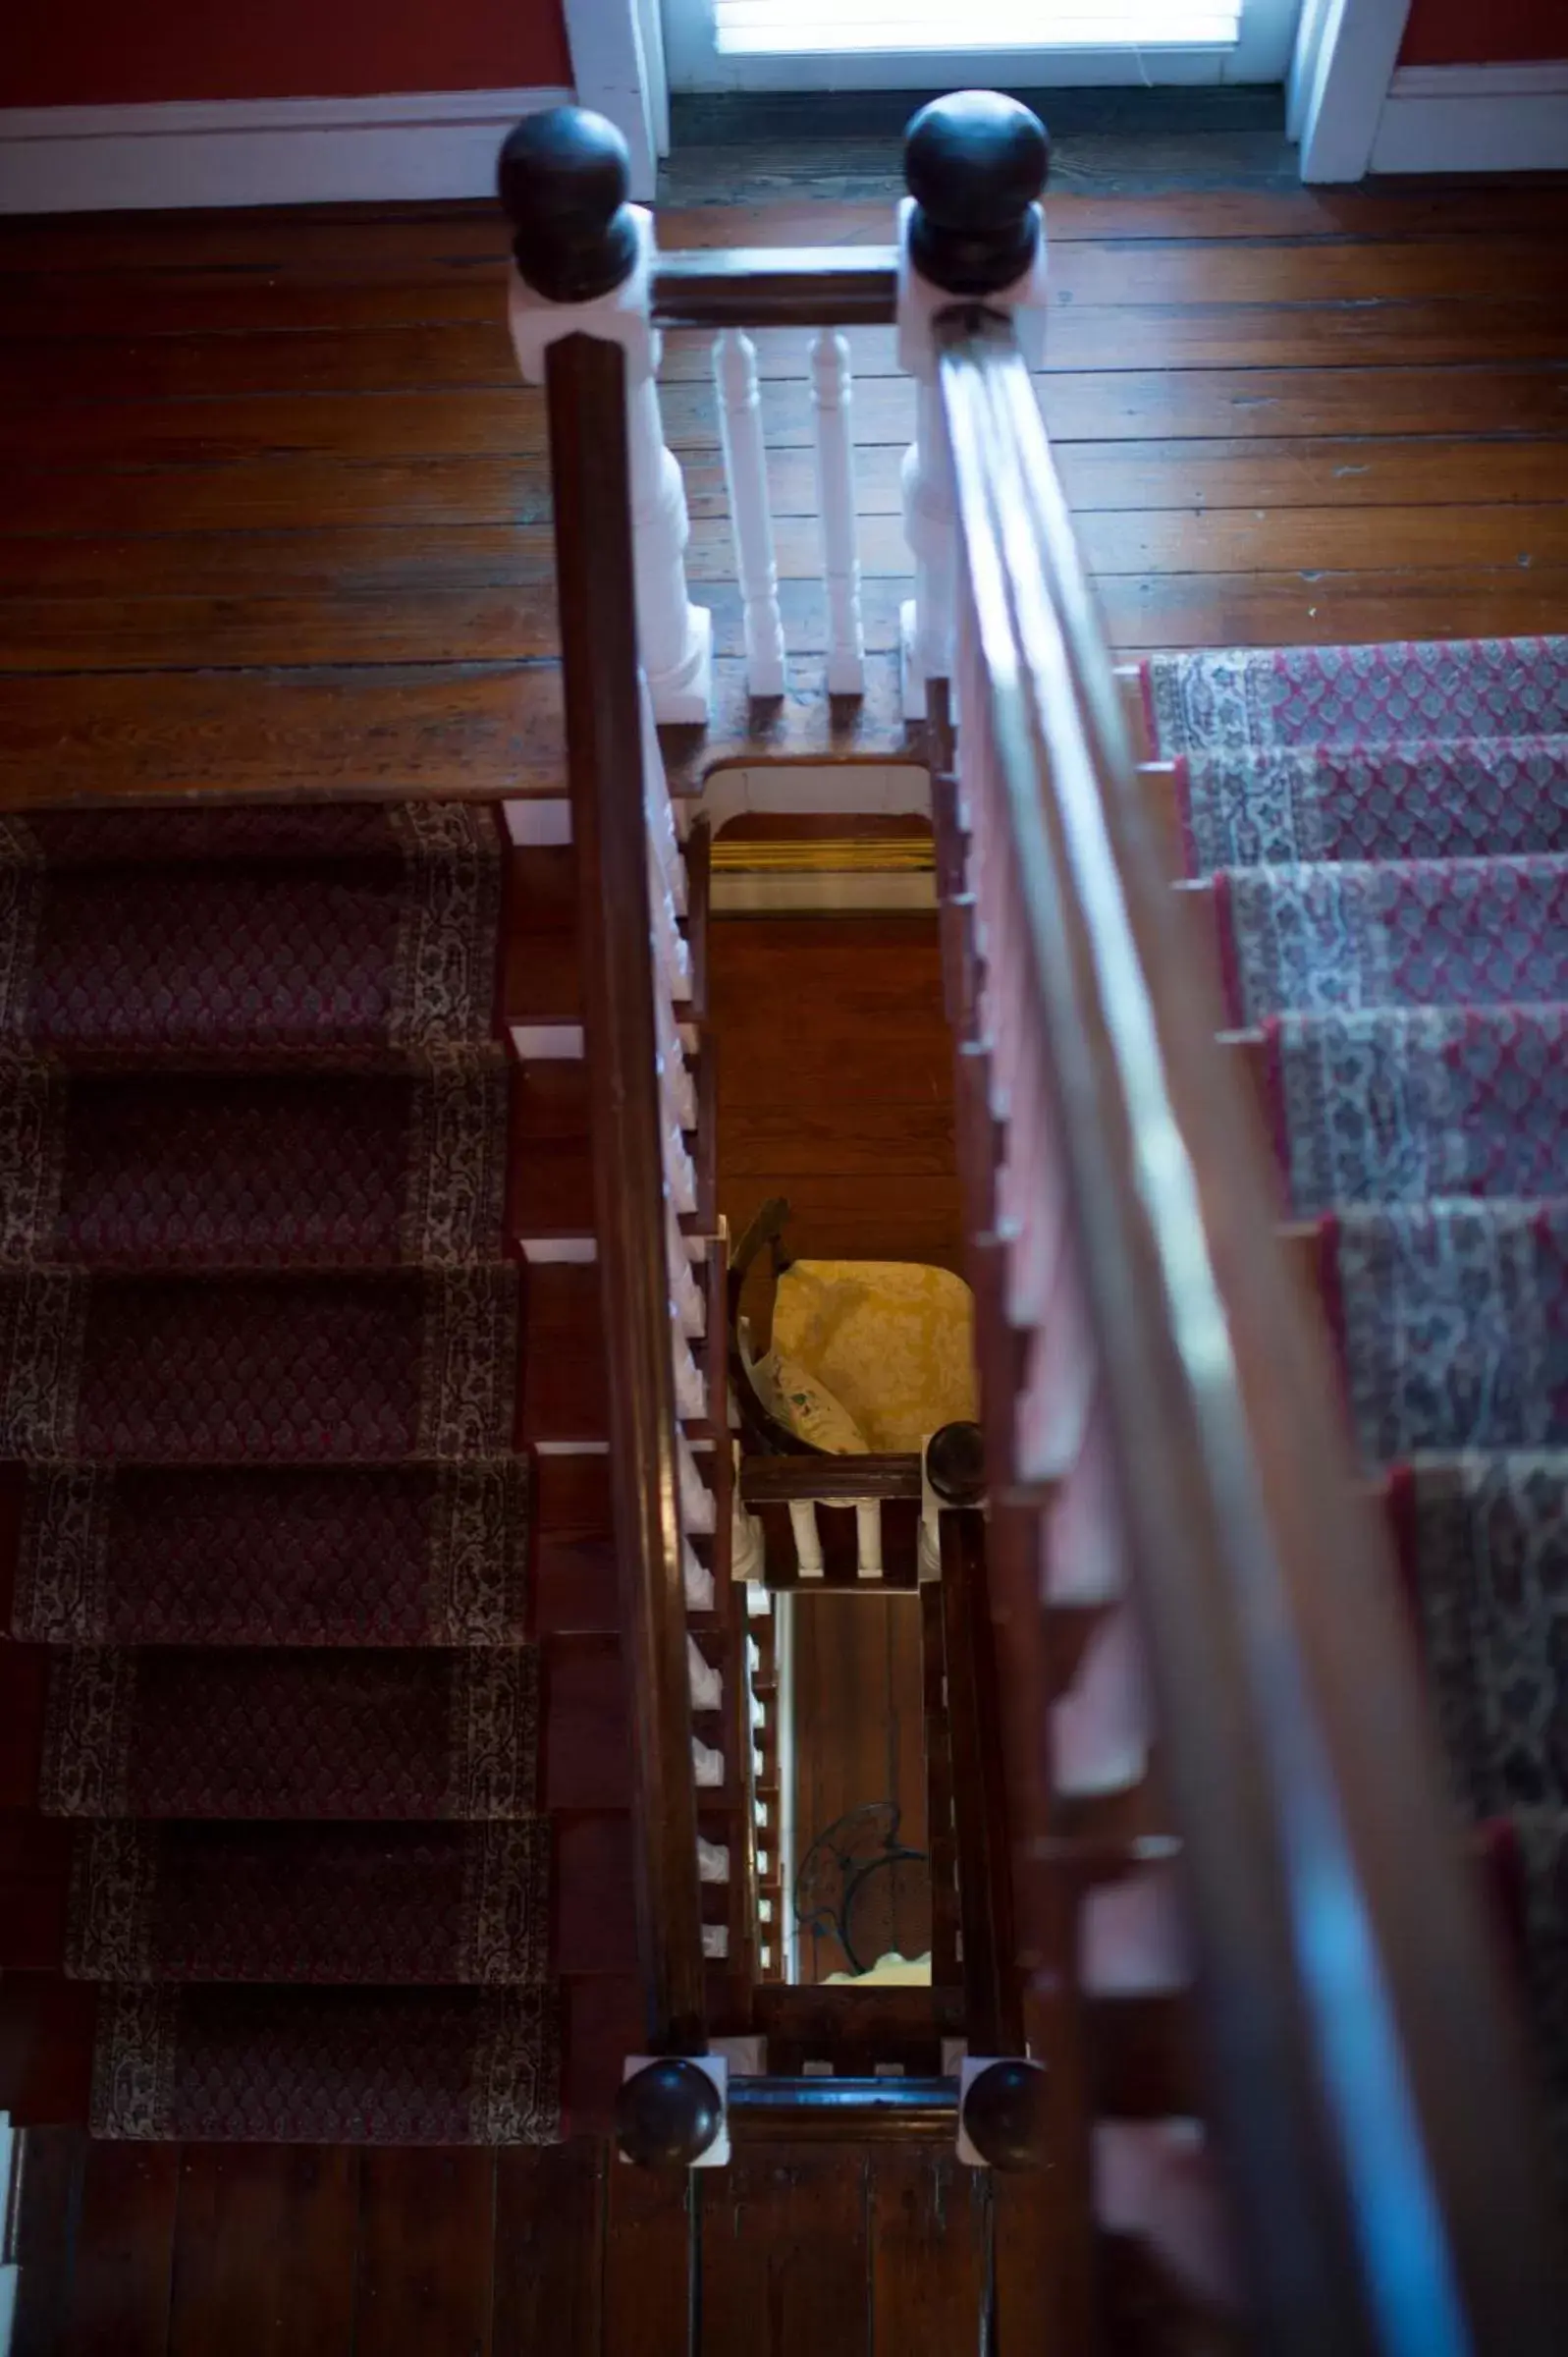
779,1480
1365,2081
588,402
764,285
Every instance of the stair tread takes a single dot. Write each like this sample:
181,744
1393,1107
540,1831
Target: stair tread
1266,696
1279,806
393,1733
273,1556
1383,1105
360,1366
245,961
262,1170
1490,1279
328,2065
1313,939
385,1903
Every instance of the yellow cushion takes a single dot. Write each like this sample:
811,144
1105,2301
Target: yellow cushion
806,1407
891,1339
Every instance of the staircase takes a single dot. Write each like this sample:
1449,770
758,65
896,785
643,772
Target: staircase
374,1638
318,1720
1373,841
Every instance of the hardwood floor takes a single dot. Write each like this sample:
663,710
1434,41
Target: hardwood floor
275,503
303,2251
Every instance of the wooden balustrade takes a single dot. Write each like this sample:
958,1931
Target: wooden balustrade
847,1523
1148,1359
650,1483
1206,1672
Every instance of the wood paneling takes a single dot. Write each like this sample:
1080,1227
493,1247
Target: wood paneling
872,2253
426,2236
859,1736
928,2256
549,2251
264,2251
785,2255
122,2281
647,2261
837,1085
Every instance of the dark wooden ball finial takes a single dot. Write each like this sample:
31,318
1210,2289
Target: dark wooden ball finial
1005,2114
564,179
667,2114
956,1465
974,164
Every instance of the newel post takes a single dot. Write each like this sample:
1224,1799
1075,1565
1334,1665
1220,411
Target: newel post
584,267
970,235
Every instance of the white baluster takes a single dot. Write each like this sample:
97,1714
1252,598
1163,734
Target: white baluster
685,1293
707,1764
691,1392
673,1076
749,1552
674,637
833,401
713,1861
697,1509
697,1580
663,833
868,1538
734,372
808,1543
704,1680
680,1174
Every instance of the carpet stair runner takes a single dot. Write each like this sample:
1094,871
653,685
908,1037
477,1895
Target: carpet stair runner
1381,834
350,1856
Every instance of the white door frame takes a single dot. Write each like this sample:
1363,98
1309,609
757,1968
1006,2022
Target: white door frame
1355,109
618,65
1262,54
1344,62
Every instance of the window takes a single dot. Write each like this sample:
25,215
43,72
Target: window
890,44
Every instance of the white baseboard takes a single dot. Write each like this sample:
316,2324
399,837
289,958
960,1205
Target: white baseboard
414,143
1473,118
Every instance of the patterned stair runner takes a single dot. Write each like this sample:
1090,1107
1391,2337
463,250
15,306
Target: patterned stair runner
1397,1105
258,1381
1384,834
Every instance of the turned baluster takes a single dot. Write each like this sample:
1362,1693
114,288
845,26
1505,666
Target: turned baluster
734,376
970,233
584,264
833,400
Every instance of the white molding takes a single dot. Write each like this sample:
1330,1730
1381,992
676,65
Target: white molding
1303,71
1526,78
610,67
1490,117
1344,66
413,143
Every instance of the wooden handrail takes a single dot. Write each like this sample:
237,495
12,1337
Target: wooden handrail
589,479
992,2014
763,286
1366,2085
776,1480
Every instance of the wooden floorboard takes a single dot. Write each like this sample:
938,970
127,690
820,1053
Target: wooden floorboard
276,507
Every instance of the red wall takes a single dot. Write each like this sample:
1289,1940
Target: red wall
104,52
1461,32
